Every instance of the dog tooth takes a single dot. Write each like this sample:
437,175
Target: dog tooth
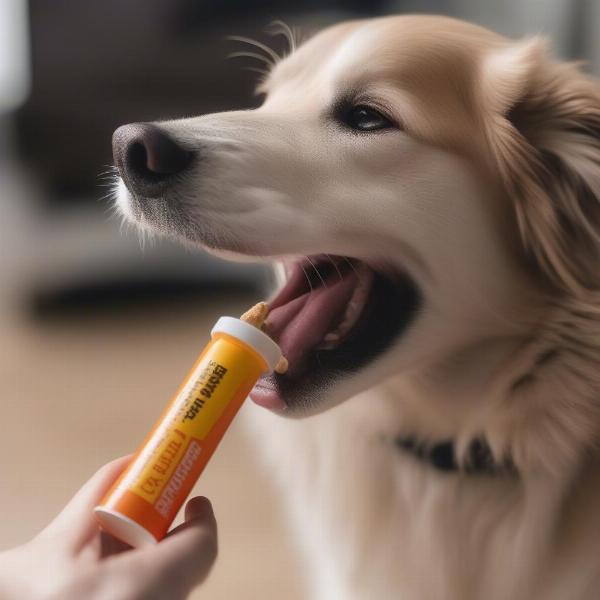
353,308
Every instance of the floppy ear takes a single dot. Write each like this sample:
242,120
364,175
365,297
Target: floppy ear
542,122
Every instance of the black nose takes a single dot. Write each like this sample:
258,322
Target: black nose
148,158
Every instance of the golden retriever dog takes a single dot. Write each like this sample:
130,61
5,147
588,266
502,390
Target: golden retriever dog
428,192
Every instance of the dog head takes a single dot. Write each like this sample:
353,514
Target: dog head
422,184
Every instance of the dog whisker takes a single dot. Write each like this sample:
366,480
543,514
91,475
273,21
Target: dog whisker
316,271
257,70
107,177
334,265
107,196
110,183
351,265
275,58
279,27
253,55
307,278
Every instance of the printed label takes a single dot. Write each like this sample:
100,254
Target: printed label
204,390
169,496
170,455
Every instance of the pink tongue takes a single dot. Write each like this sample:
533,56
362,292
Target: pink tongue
301,324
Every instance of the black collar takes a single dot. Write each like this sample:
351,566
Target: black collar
442,456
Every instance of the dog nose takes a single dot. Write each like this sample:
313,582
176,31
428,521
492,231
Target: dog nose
147,157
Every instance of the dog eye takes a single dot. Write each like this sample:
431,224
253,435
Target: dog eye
365,118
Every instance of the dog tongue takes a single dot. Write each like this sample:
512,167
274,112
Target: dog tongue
300,325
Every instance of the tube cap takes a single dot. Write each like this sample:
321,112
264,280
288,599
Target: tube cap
251,336
122,527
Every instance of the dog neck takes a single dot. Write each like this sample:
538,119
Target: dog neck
535,400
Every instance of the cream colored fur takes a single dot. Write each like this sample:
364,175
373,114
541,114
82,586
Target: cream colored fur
488,197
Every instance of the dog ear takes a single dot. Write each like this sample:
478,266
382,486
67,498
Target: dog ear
505,74
542,123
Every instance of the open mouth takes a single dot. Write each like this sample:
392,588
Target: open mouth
333,315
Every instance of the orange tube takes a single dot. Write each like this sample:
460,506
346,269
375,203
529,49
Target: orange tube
143,502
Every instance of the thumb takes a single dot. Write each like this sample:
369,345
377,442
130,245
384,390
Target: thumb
197,508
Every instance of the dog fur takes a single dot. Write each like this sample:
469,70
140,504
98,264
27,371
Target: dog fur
487,194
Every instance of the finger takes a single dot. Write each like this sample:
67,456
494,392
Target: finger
198,507
185,557
76,521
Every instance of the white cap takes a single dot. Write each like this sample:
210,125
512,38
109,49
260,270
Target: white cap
123,528
251,336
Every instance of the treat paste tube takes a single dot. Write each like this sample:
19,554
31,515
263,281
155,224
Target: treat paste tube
142,503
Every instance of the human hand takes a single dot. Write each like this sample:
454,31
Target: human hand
71,559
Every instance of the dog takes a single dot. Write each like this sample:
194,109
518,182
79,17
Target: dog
428,193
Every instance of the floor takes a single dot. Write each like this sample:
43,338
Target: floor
81,389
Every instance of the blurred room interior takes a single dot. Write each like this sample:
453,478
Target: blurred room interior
98,325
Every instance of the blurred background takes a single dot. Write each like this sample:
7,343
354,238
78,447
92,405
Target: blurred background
98,328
